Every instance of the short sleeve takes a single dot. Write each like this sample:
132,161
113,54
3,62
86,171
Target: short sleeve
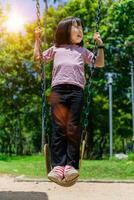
88,56
48,54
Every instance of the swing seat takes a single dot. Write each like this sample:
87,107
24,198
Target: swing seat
65,183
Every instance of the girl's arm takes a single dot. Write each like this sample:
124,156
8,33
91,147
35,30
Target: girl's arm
48,54
99,62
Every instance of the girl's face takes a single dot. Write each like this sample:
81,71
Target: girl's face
76,33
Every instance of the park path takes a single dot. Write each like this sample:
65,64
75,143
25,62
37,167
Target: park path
12,190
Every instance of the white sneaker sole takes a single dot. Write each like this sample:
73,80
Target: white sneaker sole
71,177
54,179
63,182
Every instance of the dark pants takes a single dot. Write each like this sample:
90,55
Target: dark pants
66,106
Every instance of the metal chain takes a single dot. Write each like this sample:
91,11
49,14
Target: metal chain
98,16
90,82
88,101
38,13
43,83
44,118
97,24
38,25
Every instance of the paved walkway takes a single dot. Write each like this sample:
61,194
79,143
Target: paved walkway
12,190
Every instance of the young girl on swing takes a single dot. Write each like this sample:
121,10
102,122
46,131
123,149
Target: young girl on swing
68,81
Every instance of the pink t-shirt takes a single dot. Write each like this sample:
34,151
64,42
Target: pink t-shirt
68,64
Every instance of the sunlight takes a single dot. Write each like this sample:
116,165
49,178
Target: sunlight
15,22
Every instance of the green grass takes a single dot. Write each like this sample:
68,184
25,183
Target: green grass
108,169
33,166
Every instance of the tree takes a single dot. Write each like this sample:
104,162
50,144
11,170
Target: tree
20,104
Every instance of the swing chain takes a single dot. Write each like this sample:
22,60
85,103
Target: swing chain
39,27
98,15
43,82
97,27
38,13
90,82
88,101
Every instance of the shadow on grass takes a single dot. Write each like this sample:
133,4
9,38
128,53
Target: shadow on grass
23,195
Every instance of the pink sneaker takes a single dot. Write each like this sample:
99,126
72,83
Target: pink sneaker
56,174
70,173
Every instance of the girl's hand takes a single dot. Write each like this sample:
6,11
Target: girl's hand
98,39
37,33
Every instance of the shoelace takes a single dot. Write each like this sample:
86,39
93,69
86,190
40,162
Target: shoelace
67,168
59,170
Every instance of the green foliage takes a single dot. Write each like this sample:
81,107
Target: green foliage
20,105
131,157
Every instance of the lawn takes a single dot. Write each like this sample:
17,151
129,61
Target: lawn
34,166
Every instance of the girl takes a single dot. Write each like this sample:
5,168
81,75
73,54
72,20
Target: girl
68,81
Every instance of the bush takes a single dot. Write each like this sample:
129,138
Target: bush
131,156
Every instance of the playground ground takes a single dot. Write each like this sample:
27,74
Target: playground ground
10,189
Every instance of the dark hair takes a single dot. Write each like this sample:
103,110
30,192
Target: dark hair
62,35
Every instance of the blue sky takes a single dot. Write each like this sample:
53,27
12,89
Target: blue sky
26,8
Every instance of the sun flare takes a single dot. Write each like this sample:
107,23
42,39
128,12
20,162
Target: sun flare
15,22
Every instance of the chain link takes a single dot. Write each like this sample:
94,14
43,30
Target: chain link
88,101
97,24
38,13
98,16
44,111
39,26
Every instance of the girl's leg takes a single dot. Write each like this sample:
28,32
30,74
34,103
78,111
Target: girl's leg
58,145
58,140
73,128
